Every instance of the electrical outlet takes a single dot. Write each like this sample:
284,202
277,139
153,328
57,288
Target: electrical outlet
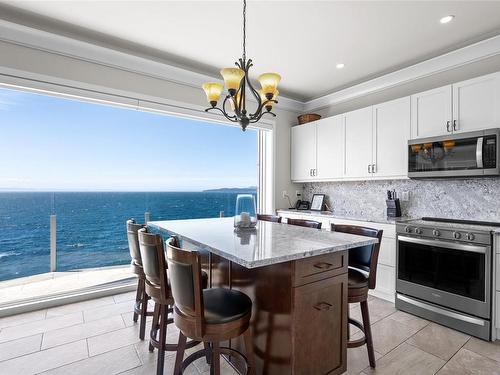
298,193
284,194
405,196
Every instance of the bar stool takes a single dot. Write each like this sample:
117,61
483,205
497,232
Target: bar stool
362,276
141,298
157,286
211,315
271,218
305,223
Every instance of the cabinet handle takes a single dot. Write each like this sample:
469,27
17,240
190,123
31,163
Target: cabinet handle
454,125
374,168
322,265
310,172
369,168
314,172
447,126
322,306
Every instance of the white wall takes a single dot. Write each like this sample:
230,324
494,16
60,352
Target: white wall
54,68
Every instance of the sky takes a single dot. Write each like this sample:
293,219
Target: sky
51,143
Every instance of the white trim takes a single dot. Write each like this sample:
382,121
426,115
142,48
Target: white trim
34,38
466,55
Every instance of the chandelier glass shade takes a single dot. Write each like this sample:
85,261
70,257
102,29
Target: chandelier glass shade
238,86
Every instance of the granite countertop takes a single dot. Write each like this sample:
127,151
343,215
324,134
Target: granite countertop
380,219
269,243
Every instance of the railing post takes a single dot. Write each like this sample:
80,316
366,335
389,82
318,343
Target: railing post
221,213
147,216
53,243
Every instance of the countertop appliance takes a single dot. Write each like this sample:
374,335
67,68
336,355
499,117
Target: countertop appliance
444,272
455,155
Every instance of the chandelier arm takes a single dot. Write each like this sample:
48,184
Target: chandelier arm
263,104
230,118
236,111
255,94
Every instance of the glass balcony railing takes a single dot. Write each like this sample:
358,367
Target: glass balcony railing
67,231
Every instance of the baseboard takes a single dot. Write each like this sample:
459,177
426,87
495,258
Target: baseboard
382,294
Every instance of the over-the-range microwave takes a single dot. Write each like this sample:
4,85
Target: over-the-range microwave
455,155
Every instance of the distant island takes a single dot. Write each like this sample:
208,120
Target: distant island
250,189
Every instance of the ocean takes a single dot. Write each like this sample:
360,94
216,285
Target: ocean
90,225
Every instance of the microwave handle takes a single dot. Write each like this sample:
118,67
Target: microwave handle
479,152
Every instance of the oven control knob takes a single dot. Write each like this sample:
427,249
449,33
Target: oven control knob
418,231
457,235
470,236
407,229
436,233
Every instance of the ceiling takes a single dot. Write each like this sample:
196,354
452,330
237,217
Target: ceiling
302,40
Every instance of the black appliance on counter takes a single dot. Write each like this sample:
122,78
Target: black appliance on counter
455,155
444,272
393,204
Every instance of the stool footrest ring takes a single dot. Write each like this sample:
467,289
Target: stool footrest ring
358,342
222,350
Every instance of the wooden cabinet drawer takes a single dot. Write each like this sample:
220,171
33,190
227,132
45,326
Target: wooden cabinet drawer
319,267
320,327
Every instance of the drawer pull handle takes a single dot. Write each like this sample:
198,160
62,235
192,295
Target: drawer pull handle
323,265
323,306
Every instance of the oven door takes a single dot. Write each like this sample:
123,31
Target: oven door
451,274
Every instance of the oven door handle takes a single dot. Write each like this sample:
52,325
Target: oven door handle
445,244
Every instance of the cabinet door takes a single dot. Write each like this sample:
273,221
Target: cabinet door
358,142
330,147
391,131
476,103
431,112
320,327
303,151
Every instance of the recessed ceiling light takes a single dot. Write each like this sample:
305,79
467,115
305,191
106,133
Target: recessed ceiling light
446,19
340,66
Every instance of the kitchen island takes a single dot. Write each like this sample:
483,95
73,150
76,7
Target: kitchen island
296,278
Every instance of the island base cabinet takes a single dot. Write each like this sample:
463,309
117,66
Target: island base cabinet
299,317
320,327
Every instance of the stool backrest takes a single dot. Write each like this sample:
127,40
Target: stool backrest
305,223
186,283
153,260
133,241
272,218
365,257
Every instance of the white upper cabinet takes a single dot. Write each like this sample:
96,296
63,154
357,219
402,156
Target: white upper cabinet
476,103
358,143
330,147
303,152
431,112
391,131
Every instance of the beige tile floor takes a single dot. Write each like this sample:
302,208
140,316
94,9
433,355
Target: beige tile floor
99,337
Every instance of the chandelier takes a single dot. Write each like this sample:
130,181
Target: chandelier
238,84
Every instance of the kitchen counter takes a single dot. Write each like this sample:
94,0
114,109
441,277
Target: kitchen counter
268,244
381,219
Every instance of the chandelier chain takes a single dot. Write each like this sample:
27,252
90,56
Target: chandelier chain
244,29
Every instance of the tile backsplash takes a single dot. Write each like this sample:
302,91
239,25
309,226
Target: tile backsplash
474,199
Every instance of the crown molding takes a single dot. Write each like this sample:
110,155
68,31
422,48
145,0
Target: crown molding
38,39
62,45
454,59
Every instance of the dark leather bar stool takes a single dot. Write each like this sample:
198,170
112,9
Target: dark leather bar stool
212,315
305,223
271,218
362,276
141,298
157,286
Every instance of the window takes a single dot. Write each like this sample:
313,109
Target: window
91,167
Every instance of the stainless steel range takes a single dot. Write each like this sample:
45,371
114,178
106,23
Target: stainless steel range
444,272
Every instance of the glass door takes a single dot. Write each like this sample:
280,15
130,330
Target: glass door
436,266
445,155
